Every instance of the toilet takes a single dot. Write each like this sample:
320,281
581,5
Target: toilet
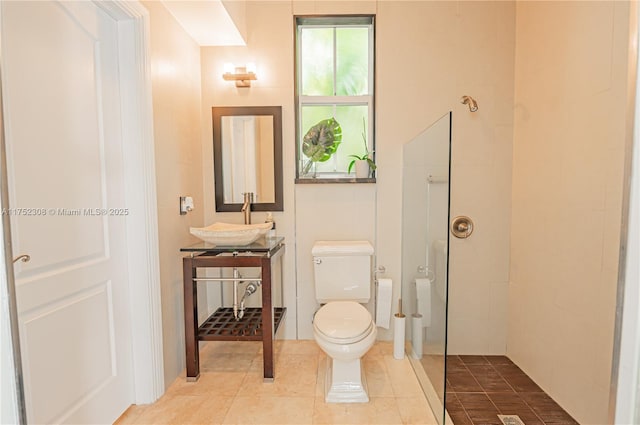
343,327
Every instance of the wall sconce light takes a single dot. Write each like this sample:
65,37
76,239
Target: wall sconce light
242,75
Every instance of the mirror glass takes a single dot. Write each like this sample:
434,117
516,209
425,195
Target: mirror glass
248,157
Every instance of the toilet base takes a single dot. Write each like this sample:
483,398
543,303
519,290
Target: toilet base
345,382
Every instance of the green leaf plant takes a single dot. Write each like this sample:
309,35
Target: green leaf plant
320,142
367,154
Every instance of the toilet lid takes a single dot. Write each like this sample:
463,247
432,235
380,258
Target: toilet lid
343,322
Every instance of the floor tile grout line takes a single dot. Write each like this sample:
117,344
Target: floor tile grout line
503,378
313,410
494,405
532,409
487,395
464,409
519,392
470,373
237,397
228,409
513,391
540,417
490,400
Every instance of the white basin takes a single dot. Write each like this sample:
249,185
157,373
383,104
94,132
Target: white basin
231,234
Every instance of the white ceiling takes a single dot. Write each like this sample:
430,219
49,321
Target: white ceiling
211,22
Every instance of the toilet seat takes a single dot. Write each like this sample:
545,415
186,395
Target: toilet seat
343,322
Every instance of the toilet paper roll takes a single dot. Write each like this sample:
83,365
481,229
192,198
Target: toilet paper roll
383,301
423,294
398,337
416,335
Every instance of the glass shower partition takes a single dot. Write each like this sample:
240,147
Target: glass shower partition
425,253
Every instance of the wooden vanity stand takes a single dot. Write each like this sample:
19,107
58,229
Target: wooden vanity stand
258,324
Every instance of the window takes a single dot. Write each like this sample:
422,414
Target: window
334,95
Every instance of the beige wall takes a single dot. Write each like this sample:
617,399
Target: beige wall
175,68
550,241
329,211
570,91
566,195
450,49
269,46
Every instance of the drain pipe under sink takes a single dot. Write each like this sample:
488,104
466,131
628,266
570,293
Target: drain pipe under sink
251,288
236,277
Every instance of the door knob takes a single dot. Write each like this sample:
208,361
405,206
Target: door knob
462,227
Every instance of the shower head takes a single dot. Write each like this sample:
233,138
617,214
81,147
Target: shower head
468,100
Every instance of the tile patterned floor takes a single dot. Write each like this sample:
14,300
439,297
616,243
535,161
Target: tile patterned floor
479,388
230,390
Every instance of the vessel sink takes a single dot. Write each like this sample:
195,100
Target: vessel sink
231,234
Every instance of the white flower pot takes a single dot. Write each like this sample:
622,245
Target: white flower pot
362,169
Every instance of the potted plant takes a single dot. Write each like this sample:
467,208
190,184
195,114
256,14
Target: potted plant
364,164
320,142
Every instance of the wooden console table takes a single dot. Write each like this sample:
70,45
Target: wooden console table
258,324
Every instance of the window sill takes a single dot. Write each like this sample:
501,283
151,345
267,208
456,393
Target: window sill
332,180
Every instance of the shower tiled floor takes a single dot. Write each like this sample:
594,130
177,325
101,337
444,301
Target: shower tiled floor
231,390
479,388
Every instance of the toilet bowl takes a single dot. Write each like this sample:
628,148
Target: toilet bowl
345,331
342,327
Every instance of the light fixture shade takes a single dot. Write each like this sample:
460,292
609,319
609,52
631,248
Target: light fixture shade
242,75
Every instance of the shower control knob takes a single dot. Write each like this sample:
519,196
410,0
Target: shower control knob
462,227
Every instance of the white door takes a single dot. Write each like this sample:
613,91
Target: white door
64,154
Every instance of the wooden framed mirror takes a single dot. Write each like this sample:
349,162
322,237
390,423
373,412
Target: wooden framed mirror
247,157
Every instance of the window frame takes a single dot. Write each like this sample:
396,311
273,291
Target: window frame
333,21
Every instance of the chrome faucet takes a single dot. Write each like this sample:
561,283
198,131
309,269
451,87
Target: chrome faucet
246,207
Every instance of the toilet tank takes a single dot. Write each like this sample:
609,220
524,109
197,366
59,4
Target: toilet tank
342,270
